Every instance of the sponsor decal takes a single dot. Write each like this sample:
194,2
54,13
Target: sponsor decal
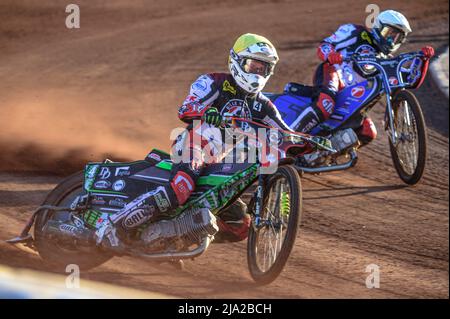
119,185
200,84
228,87
328,105
183,186
68,229
137,217
365,36
102,184
78,222
155,156
238,108
365,49
162,203
184,178
358,91
104,173
231,188
122,171
308,127
92,169
393,80
390,63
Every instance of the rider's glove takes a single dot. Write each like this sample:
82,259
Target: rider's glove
212,116
335,58
428,52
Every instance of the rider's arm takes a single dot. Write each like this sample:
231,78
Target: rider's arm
324,50
201,96
272,116
343,37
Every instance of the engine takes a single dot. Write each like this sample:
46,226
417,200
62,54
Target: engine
189,228
341,141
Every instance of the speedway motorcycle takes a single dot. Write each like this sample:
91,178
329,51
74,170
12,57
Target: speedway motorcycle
403,118
65,224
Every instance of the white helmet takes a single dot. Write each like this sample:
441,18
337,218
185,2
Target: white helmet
390,30
252,61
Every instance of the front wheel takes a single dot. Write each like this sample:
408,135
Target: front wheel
410,151
59,255
270,244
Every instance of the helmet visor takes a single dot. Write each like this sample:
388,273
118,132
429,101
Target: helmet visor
253,66
393,36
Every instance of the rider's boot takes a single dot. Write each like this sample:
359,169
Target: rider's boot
234,223
367,132
148,206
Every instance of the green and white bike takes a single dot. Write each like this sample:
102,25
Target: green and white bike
65,224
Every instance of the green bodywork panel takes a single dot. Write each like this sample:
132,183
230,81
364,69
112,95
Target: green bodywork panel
216,190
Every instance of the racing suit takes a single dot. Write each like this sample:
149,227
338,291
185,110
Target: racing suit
330,77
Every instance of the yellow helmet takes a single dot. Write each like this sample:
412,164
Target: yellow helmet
252,61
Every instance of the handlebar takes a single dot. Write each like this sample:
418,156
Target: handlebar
371,65
373,58
228,120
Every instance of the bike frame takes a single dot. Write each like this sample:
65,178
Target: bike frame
417,71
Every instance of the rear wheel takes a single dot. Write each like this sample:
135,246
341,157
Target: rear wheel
270,245
60,255
410,151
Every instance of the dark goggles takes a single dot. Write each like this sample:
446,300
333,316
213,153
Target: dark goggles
254,66
393,36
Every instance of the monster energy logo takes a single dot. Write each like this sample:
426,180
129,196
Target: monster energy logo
238,183
89,176
163,204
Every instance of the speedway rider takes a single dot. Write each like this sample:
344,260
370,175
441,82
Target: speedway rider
388,33
251,63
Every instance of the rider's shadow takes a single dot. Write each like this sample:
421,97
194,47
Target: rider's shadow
350,191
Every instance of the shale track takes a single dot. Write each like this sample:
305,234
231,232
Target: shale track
112,88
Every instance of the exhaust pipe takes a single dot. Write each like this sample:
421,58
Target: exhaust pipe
332,168
178,255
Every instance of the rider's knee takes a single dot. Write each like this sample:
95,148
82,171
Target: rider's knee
182,183
325,104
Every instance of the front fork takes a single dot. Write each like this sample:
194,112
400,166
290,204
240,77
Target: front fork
389,120
259,201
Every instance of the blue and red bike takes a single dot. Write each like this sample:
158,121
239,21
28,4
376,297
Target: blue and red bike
404,122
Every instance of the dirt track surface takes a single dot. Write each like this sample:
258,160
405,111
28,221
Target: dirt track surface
112,88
